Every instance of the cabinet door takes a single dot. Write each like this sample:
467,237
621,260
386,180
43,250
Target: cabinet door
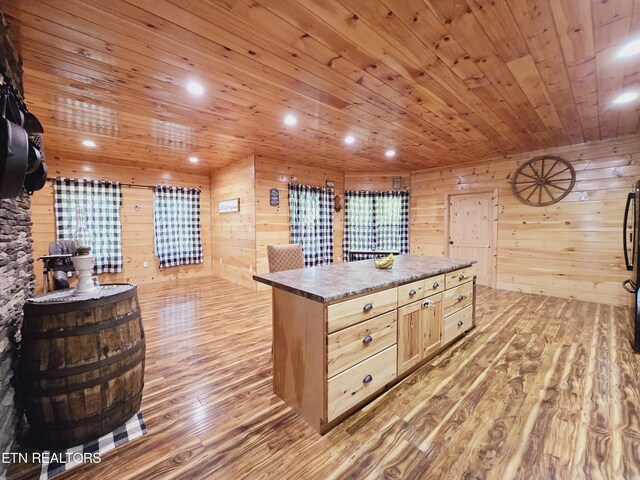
431,324
409,338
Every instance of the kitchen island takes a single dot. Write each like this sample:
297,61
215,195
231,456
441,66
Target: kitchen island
344,333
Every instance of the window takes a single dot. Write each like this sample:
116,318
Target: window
311,221
176,218
376,221
89,211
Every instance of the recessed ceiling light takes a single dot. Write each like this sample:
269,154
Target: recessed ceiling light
390,153
349,139
89,143
630,49
625,98
290,120
193,159
195,88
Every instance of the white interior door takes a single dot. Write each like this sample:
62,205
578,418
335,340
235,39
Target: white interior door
471,232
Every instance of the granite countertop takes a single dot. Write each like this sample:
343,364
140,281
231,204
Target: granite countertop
328,283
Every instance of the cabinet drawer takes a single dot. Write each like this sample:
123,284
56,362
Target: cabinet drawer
457,277
457,298
344,314
358,342
360,381
433,285
410,292
456,324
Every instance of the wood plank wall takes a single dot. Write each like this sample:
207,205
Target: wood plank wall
375,181
241,239
572,249
272,223
233,235
137,225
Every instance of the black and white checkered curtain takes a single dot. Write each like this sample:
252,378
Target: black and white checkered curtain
311,222
89,211
176,219
375,221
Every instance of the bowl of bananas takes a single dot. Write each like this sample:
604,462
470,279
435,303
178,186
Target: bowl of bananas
384,262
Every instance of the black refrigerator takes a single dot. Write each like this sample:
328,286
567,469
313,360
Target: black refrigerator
631,239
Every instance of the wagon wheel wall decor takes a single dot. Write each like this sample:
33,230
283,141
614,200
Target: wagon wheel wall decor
543,181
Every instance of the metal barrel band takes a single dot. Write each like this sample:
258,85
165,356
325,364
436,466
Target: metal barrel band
66,372
82,330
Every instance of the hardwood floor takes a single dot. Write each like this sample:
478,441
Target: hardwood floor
542,388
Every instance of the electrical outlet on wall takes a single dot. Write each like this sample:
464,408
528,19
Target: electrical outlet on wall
220,260
251,268
145,264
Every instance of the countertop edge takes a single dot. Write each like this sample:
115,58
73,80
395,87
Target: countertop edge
286,288
333,298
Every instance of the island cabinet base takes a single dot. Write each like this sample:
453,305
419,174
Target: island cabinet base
329,359
299,356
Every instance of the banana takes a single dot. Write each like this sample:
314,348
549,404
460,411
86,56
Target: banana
386,262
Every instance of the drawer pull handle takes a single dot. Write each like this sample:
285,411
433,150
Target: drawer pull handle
461,276
461,297
426,303
367,379
460,323
367,307
412,292
367,339
436,285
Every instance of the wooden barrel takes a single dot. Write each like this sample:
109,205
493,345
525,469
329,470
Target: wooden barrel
81,366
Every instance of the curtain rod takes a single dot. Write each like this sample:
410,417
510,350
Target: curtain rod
139,185
130,185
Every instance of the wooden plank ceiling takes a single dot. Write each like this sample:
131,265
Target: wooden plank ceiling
440,81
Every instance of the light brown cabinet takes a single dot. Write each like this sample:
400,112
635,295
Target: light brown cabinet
456,298
353,344
409,344
457,277
350,312
329,358
361,358
360,382
456,324
431,325
419,331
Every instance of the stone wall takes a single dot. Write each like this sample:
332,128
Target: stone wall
17,279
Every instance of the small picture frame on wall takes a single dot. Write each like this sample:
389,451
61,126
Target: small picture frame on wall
229,206
330,184
274,197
